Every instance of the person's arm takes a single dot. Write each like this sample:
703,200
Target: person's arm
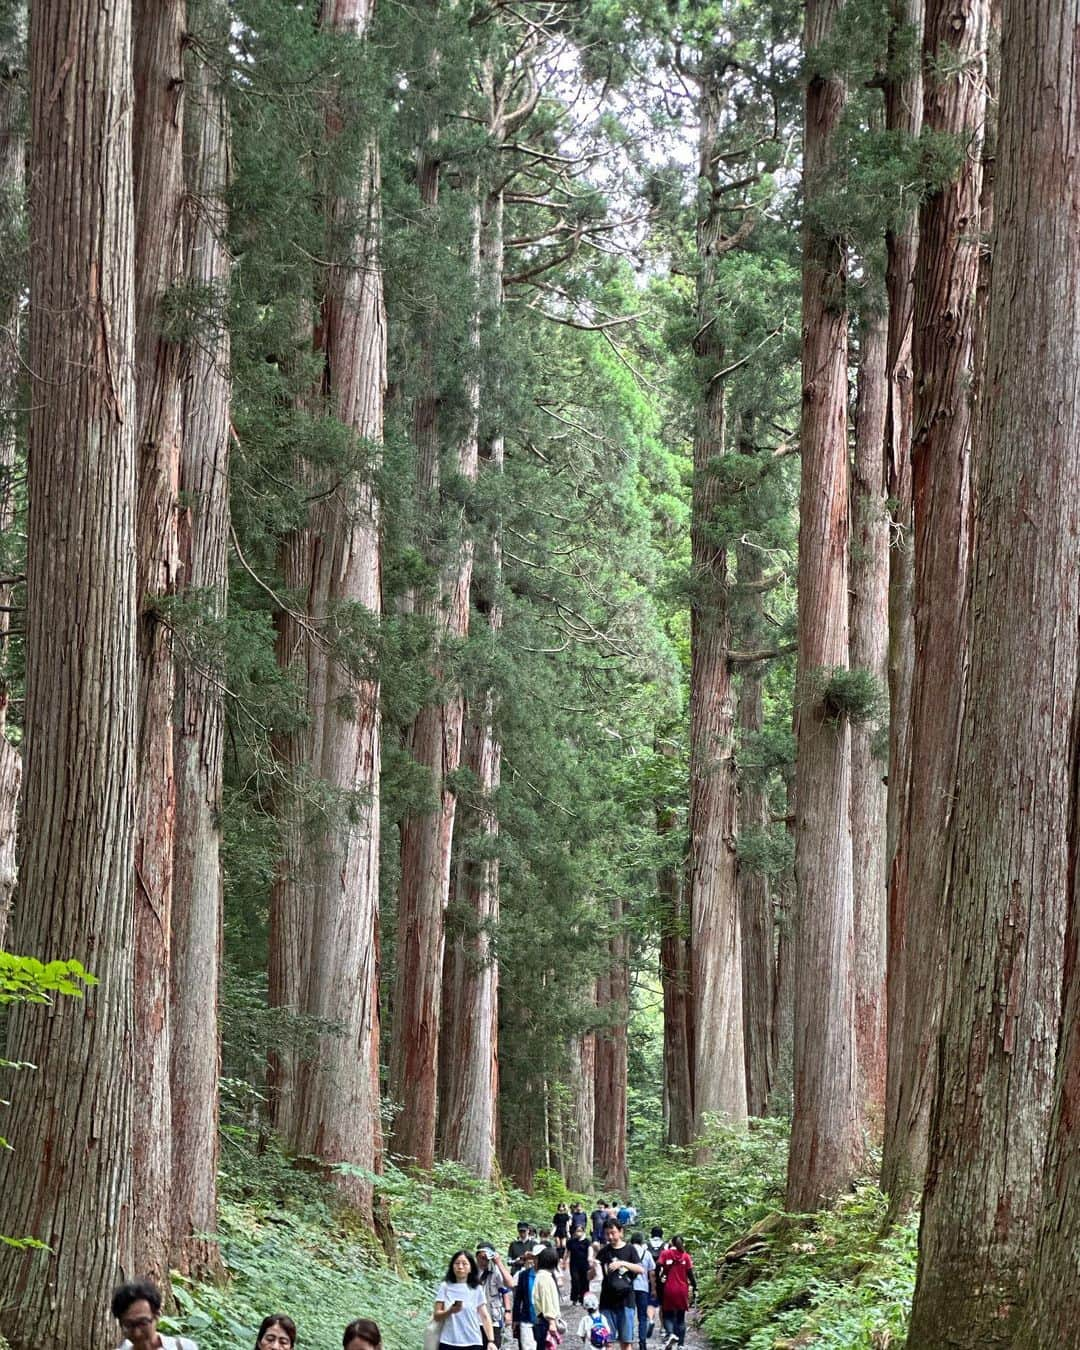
502,1269
445,1310
485,1323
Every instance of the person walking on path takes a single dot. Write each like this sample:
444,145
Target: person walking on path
675,1271
599,1218
579,1253
545,1297
620,1264
362,1334
136,1307
560,1225
578,1217
496,1283
278,1332
522,1315
519,1247
461,1306
644,1288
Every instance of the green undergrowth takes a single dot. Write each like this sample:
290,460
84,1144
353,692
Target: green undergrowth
768,1280
289,1247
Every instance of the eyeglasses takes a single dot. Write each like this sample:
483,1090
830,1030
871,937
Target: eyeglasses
136,1324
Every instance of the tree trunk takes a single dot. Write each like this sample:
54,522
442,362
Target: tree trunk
159,29
471,975
869,652
579,1171
755,898
716,957
945,278
675,985
825,1148
903,116
200,712
1012,863
13,183
68,1180
613,999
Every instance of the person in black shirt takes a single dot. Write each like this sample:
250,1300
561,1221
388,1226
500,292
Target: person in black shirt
518,1249
619,1263
561,1224
579,1250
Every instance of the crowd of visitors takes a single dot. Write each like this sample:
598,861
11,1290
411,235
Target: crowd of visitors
640,1286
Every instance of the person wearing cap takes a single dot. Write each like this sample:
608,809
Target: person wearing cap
496,1282
519,1247
523,1313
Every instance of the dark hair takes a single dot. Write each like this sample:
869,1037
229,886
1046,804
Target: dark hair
678,1243
560,1205
578,1228
657,1231
522,1223
363,1329
613,1223
281,1320
474,1273
638,1239
548,1259
124,1295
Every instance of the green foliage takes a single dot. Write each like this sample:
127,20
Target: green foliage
855,694
768,849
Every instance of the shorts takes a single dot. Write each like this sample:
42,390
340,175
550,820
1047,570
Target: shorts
620,1323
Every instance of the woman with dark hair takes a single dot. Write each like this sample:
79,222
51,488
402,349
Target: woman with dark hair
278,1332
363,1334
677,1268
461,1306
545,1296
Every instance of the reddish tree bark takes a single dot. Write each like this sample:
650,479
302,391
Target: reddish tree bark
1012,865
675,985
825,1146
68,1180
945,278
199,732
869,652
903,116
579,1168
755,898
159,28
613,1000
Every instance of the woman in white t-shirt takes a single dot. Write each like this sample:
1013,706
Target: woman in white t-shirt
461,1306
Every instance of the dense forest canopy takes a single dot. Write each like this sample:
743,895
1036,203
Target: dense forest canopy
538,639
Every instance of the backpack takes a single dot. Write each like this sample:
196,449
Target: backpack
599,1335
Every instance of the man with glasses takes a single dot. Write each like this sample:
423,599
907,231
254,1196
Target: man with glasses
136,1307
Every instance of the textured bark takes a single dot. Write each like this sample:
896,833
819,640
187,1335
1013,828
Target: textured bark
1012,867
469,1065
68,1180
825,1149
579,1170
12,187
903,116
755,899
613,1000
716,958
945,278
159,28
200,712
869,652
675,985
435,744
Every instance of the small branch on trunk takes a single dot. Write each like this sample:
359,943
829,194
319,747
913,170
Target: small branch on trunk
762,654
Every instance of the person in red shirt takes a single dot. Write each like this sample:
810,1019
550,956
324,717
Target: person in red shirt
675,1276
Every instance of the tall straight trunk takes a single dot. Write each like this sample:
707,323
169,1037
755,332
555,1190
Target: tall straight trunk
1013,857
579,1168
903,116
13,186
675,986
340,1120
1035,196
68,1179
825,1149
755,898
870,652
613,998
159,29
199,734
945,278
716,958
471,975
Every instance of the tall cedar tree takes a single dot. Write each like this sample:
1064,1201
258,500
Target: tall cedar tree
869,652
715,951
1012,857
943,350
200,712
68,1181
903,117
825,1148
159,33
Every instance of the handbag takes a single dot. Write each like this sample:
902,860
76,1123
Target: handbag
432,1334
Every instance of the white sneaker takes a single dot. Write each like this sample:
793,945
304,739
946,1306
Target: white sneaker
671,1342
